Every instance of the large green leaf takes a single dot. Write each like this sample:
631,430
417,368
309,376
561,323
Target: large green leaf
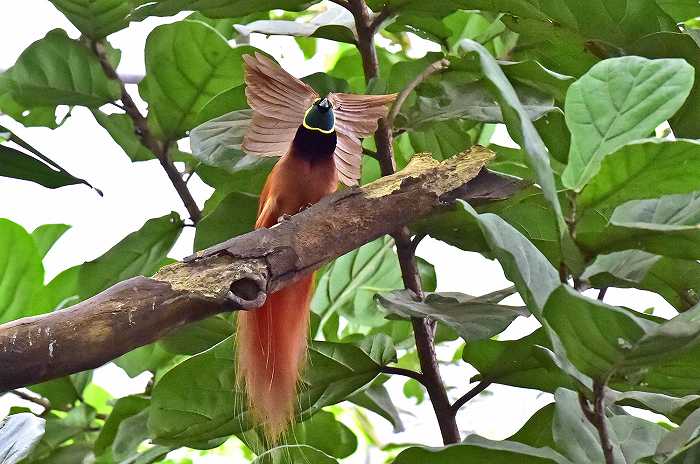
124,408
348,284
96,18
574,435
30,164
57,70
520,363
199,400
63,392
639,170
473,318
524,133
121,128
677,280
22,277
666,226
537,431
145,358
376,399
19,433
218,142
45,236
140,253
478,449
604,341
676,45
291,454
619,100
216,8
187,63
234,215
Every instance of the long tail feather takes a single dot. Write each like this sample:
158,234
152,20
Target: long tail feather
271,353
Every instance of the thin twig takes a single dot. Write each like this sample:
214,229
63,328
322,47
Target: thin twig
416,241
464,399
423,329
417,376
601,293
431,69
380,18
41,401
596,417
158,148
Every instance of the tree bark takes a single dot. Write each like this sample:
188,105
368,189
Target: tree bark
239,273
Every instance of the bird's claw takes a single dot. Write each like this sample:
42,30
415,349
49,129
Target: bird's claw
284,217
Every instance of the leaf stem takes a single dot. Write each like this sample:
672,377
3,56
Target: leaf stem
431,69
417,376
423,329
158,148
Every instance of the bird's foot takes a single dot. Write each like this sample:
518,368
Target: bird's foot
284,217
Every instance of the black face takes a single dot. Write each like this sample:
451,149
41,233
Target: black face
314,145
319,117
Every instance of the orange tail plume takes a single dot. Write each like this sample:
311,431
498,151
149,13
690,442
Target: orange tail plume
271,353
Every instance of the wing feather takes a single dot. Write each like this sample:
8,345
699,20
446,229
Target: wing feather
356,117
279,101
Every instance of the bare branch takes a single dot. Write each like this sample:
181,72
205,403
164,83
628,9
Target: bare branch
159,149
471,394
417,376
239,273
41,401
431,69
596,416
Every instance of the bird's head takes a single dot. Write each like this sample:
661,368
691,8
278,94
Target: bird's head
319,116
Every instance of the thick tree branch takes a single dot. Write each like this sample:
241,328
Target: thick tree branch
423,329
159,149
239,273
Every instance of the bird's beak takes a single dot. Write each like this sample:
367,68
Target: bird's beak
324,104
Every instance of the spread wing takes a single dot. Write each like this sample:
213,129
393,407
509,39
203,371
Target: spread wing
279,101
356,117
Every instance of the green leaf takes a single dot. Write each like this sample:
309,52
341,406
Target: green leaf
637,438
619,100
131,432
30,164
479,449
677,438
121,129
640,170
376,399
471,317
574,435
522,130
676,45
146,358
537,431
63,392
124,408
290,454
96,18
533,74
187,63
216,8
316,27
348,284
57,70
666,226
46,236
442,139
199,400
520,363
19,433
677,280
197,337
139,253
603,341
324,433
222,103
234,215
22,276
218,142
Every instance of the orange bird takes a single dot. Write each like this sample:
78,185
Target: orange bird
319,141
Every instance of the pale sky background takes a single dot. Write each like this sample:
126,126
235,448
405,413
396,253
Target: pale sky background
135,192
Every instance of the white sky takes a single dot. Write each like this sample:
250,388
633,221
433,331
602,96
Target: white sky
135,192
